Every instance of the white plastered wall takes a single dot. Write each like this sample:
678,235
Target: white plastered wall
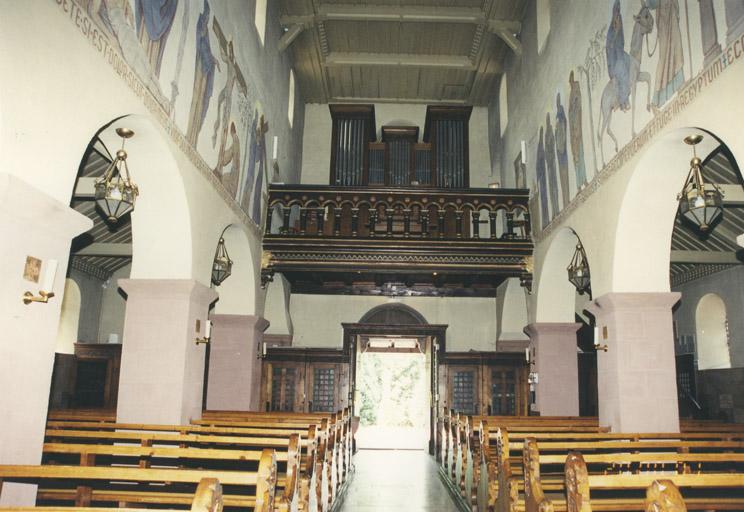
472,321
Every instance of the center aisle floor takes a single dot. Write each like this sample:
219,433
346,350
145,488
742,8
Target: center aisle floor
392,480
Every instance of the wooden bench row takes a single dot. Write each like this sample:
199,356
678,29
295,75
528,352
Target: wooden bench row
310,460
486,464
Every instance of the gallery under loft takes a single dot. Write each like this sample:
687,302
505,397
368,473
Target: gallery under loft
327,256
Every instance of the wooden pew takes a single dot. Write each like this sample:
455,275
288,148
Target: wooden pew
541,493
207,498
704,491
304,489
97,415
90,485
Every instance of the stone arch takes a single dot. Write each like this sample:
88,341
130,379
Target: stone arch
648,211
161,220
69,320
238,292
711,330
555,295
393,314
511,311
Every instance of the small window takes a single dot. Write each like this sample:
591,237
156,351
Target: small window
291,105
503,106
711,325
260,19
543,24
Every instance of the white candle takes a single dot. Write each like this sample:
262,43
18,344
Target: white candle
276,146
50,272
263,347
208,329
527,354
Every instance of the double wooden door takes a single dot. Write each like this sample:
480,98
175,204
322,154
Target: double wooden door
305,386
486,387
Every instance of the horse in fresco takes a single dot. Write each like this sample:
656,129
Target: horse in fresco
626,79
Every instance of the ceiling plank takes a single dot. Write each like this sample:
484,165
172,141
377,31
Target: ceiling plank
719,258
732,194
106,250
398,59
85,188
417,14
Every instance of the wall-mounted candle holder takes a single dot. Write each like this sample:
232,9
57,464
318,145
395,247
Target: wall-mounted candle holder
47,285
207,334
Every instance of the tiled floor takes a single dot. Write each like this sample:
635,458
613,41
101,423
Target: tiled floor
396,480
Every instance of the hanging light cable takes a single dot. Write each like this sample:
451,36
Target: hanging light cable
700,203
115,192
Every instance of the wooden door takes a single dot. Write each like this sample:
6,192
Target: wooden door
505,390
324,387
464,388
285,387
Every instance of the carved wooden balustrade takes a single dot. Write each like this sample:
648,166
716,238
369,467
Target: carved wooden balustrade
433,237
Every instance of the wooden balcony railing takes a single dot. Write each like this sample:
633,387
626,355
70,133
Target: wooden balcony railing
326,229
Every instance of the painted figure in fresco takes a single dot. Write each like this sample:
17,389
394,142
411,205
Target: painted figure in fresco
550,165
224,100
117,18
542,181
575,127
257,206
561,148
249,176
618,61
203,77
613,93
669,69
154,21
231,158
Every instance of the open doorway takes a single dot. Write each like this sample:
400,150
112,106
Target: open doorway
393,395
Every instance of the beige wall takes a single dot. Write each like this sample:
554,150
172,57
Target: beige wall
316,145
317,318
113,307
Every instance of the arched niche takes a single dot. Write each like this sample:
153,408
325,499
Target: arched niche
643,237
711,328
237,292
69,320
555,295
161,220
393,314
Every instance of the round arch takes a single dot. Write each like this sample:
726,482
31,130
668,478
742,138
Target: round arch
393,314
711,330
643,238
161,220
237,292
555,295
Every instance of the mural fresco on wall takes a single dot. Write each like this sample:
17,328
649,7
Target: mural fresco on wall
622,86
213,104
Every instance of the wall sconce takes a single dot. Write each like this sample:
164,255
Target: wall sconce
115,193
47,285
207,334
699,202
527,357
222,264
578,270
597,346
261,352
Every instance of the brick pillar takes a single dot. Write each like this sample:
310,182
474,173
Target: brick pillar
162,368
37,225
636,377
234,364
557,367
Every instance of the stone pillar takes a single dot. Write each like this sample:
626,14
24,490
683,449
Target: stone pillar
31,224
234,363
557,366
636,377
709,32
734,20
162,368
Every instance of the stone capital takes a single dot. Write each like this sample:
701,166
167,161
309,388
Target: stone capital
551,328
169,288
632,301
255,322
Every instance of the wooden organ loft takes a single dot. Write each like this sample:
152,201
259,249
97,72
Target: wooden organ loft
398,218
